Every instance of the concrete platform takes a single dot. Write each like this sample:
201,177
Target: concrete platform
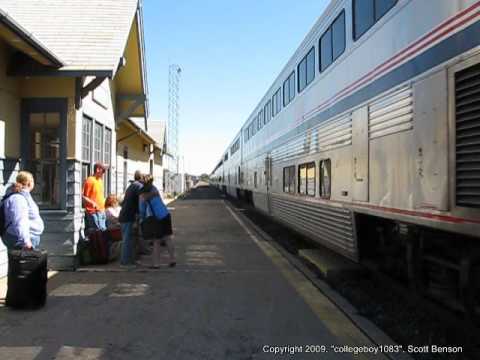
231,296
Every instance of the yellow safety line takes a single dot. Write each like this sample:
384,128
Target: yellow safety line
336,321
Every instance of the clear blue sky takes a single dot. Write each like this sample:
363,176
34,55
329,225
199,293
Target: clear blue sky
230,52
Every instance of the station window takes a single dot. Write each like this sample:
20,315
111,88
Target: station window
367,12
325,178
276,102
289,179
332,42
306,179
289,89
267,110
306,70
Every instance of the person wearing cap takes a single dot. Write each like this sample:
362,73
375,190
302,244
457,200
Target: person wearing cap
94,199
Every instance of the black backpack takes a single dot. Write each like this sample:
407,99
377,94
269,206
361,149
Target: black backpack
3,226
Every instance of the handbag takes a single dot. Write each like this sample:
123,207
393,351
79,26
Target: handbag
150,226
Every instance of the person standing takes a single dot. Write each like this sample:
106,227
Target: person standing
23,224
94,199
127,218
155,221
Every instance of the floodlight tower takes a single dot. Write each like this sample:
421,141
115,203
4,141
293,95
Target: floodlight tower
174,73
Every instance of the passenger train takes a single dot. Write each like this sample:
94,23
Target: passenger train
368,141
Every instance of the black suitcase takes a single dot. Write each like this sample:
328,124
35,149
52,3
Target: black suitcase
27,279
99,246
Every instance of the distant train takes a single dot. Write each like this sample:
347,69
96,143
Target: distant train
368,141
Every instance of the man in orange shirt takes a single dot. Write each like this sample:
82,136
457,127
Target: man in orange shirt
94,199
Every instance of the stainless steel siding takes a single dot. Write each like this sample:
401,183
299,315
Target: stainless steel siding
392,113
260,201
331,226
331,134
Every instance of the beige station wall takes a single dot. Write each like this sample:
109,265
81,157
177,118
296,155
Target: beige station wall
138,158
98,105
9,108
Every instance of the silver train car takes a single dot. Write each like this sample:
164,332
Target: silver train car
369,138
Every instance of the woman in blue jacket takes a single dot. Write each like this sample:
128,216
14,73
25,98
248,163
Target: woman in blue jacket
155,221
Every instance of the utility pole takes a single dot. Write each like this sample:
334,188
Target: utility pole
173,150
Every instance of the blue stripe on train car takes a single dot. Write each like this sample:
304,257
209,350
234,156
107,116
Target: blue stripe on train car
447,49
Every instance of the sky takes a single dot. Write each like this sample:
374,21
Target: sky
230,52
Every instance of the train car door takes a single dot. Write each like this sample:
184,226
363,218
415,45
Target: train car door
268,180
360,147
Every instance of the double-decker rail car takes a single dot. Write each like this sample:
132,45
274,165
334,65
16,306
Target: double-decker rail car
368,141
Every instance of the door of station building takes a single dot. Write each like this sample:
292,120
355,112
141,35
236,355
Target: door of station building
44,149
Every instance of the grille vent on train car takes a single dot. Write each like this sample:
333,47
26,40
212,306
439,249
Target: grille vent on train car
467,124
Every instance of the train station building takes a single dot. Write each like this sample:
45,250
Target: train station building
67,92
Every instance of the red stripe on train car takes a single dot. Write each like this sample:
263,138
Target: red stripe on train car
394,60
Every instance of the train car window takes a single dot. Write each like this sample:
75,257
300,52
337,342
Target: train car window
363,17
306,179
289,89
332,43
325,178
276,102
268,111
306,70
302,74
367,12
326,50
302,179
292,85
311,65
255,179
338,36
382,7
273,105
289,179
260,119
311,179
279,101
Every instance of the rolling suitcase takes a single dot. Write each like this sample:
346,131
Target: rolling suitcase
27,279
99,246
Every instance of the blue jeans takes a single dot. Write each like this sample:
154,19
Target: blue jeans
11,241
127,244
96,221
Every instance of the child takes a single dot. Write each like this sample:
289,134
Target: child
112,211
